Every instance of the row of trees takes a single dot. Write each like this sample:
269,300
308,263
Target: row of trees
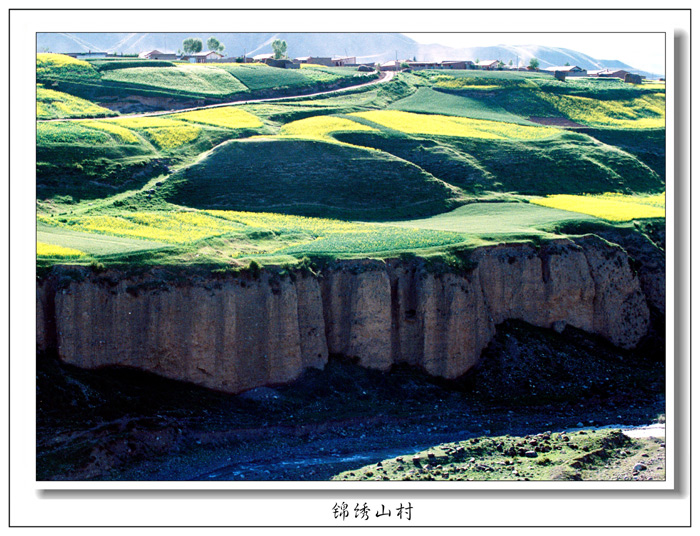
193,45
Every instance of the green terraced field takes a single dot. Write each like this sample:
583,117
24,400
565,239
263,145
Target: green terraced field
109,79
426,164
566,163
256,77
428,101
191,79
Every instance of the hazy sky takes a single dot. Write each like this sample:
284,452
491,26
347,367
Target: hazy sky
642,51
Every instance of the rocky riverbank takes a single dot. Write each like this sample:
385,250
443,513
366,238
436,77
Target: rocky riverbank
120,424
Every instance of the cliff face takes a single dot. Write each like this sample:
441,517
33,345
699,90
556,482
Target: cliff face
236,333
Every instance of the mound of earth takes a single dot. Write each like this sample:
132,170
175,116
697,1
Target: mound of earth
310,178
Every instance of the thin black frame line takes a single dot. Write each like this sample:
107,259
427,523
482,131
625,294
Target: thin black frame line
9,278
353,9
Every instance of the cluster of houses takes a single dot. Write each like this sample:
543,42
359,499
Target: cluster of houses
497,65
198,57
210,56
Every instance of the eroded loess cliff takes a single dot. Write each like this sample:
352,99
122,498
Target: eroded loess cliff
237,332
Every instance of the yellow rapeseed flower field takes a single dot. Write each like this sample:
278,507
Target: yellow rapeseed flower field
49,250
56,104
610,206
293,235
168,227
320,127
228,117
45,59
644,112
122,134
443,125
165,133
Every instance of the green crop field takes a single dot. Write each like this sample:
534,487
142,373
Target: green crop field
260,76
124,78
429,101
427,164
182,78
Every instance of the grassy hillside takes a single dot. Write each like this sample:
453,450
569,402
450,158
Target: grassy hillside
107,80
56,105
429,101
564,162
426,164
94,159
340,182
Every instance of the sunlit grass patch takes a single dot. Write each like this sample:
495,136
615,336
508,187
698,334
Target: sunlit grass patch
145,122
172,137
647,111
69,132
329,236
167,227
50,65
228,117
612,207
165,133
122,134
190,78
381,240
52,104
442,125
283,222
50,250
270,232
451,82
320,127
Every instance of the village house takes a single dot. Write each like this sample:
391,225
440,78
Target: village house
488,65
342,62
156,54
457,64
202,57
281,64
315,60
609,73
419,65
260,58
392,65
568,70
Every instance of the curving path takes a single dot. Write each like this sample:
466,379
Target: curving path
386,76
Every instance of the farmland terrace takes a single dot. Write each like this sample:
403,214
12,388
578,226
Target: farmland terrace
420,223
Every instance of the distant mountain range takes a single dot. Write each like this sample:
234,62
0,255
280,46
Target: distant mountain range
367,47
